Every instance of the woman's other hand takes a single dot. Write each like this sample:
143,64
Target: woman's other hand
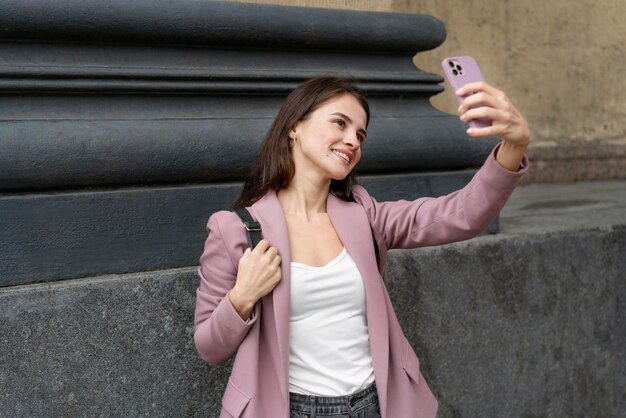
506,121
257,275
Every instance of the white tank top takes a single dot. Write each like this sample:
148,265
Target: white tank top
329,353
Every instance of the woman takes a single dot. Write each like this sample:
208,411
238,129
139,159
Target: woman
306,310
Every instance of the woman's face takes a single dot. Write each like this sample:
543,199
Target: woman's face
328,142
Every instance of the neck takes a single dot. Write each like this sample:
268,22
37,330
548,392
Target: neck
305,197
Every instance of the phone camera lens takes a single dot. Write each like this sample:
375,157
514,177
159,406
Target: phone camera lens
455,72
459,68
451,64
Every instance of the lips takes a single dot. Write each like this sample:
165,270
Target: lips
344,154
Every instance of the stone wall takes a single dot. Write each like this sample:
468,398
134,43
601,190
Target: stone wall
512,325
147,126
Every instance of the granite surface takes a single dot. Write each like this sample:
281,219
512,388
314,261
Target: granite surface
526,323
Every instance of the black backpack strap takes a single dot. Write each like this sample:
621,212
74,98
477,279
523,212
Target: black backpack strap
376,249
253,228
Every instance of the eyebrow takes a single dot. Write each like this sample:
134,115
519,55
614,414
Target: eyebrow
363,131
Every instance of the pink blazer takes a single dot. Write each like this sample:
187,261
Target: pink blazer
258,384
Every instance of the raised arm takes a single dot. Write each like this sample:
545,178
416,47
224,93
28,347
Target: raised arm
455,217
467,212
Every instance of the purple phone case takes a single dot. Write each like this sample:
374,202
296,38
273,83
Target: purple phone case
460,71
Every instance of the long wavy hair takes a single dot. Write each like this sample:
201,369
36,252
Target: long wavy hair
274,168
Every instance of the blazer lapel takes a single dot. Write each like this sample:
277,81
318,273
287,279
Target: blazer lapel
269,213
354,231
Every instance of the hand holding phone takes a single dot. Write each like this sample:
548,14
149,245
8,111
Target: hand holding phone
490,112
460,71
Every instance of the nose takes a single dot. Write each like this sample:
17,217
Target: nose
352,140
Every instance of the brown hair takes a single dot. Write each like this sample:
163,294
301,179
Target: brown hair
274,168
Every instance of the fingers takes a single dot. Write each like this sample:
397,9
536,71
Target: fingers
479,86
501,121
276,261
482,94
479,99
484,112
482,101
499,101
271,252
510,126
487,131
263,253
261,247
259,271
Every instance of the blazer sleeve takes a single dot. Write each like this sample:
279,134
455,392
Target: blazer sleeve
218,328
455,217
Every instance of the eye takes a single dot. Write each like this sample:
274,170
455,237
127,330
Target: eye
340,122
361,138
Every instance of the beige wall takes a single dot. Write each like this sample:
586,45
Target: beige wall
562,62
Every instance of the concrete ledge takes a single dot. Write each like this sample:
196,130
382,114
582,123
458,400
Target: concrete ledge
509,325
116,346
556,163
519,326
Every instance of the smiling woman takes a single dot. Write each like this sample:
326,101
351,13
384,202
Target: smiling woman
327,143
275,167
306,310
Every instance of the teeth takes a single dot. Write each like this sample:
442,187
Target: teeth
342,155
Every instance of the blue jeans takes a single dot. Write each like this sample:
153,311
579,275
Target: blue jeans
362,404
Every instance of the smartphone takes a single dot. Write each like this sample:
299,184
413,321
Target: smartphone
460,71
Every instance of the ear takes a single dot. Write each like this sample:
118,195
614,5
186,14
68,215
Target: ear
293,132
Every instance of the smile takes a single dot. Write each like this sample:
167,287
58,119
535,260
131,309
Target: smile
342,155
